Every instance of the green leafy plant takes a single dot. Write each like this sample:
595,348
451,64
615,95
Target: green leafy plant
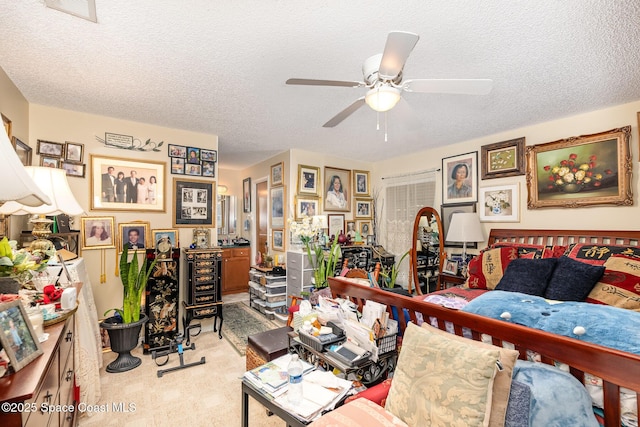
324,266
134,281
390,275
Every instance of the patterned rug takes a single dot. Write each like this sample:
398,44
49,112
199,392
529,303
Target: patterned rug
241,321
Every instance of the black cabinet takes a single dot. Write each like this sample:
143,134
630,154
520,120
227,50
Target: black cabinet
428,268
203,293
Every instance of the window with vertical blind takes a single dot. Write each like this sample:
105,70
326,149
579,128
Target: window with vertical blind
404,197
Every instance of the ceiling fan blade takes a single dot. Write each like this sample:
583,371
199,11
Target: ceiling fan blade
338,118
313,82
396,51
457,86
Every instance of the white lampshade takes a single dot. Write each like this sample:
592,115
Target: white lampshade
53,183
382,98
17,184
465,227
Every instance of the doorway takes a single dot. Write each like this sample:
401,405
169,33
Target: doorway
262,217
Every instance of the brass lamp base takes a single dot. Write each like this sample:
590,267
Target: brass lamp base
41,231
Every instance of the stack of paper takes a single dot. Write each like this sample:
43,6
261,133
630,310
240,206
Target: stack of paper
272,377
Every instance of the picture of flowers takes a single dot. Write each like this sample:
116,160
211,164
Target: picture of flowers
500,203
581,171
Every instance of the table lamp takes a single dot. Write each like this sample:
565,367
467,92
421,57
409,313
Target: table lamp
465,227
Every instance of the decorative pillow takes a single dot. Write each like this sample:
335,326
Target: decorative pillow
440,381
599,254
360,412
572,280
502,381
528,276
486,269
619,285
524,250
519,406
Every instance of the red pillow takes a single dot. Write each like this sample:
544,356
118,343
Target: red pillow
529,251
486,269
619,285
598,254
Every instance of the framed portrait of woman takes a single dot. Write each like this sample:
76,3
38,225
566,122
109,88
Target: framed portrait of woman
460,178
98,232
337,189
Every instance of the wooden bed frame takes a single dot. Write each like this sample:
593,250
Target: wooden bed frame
616,368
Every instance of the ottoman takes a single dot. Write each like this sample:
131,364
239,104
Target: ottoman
266,346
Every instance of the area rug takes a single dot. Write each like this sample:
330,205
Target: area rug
241,321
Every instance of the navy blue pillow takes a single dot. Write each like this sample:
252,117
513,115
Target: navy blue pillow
528,276
572,280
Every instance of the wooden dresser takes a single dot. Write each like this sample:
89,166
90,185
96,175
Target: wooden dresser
235,270
46,383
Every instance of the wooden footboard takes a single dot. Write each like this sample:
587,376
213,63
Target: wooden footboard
617,369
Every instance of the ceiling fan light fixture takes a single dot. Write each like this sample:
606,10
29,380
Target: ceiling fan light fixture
382,98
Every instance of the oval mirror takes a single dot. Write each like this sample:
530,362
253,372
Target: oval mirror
427,251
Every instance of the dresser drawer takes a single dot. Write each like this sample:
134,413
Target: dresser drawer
47,394
240,252
66,342
67,375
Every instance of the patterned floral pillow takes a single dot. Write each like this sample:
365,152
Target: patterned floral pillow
487,268
619,285
440,381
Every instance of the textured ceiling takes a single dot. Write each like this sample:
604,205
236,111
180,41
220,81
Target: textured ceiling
220,67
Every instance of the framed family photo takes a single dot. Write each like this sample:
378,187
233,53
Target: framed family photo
177,165
49,162
447,213
277,172
74,169
460,178
363,208
308,180
246,195
306,206
194,203
73,152
134,236
500,203
208,155
98,232
276,198
49,148
17,336
127,185
361,183
503,159
179,151
365,228
337,189
581,171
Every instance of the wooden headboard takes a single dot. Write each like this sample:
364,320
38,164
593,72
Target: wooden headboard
565,237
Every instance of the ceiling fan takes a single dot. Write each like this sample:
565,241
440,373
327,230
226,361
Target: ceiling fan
382,75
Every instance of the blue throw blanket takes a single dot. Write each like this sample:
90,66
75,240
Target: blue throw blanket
604,325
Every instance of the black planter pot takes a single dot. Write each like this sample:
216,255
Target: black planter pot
123,338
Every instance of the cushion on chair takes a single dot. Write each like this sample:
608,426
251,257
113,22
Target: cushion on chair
266,346
360,412
440,381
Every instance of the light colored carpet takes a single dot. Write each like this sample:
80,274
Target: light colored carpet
240,322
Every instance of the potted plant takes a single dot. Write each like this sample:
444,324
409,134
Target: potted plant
125,325
389,275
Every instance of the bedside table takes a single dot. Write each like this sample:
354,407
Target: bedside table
447,280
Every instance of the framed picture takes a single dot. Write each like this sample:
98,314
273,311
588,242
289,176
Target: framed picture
308,180
365,228
361,183
246,195
194,203
177,165
447,212
24,151
118,140
350,229
134,236
127,185
73,152
277,172
460,178
170,234
208,155
581,171
98,232
500,203
7,125
202,238
306,206
277,243
50,162
502,159
209,169
450,267
336,224
193,170
363,208
276,197
50,149
193,155
74,169
178,151
62,222
17,336
337,185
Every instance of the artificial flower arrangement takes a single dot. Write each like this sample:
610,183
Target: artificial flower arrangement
323,266
21,264
572,175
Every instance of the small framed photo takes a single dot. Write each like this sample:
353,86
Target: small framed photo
24,151
277,198
134,236
277,172
177,165
73,152
306,206
50,149
336,224
500,203
363,208
98,232
246,195
202,238
337,184
170,234
50,162
308,180
365,228
450,267
74,169
177,151
193,155
460,178
17,336
209,169
208,155
193,170
277,243
503,159
194,203
361,183
350,229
